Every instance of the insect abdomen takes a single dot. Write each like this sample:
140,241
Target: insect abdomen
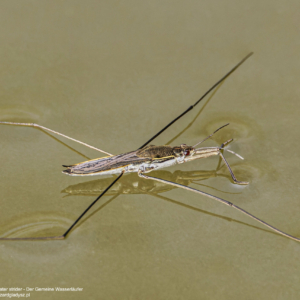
107,165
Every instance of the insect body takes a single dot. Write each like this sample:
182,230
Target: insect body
145,160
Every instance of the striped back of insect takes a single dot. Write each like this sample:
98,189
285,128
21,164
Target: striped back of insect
152,151
165,151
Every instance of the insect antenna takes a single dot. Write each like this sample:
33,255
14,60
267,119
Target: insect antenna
211,135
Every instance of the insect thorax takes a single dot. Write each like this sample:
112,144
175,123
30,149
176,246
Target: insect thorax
163,151
152,151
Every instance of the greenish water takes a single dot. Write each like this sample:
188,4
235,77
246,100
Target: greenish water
112,74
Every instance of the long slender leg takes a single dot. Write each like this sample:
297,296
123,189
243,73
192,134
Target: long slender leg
231,173
50,130
64,144
209,213
220,200
202,97
197,115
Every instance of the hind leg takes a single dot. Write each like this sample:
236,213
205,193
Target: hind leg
55,132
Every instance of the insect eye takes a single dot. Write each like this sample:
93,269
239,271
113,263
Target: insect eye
187,152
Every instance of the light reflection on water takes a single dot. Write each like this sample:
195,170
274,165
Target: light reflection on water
36,224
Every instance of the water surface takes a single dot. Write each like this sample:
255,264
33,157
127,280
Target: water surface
112,75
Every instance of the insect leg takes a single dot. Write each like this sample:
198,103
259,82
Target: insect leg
222,201
208,213
231,173
202,97
50,130
210,135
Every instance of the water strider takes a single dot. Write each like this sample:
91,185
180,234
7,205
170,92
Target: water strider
146,159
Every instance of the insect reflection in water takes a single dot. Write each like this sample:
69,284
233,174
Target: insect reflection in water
131,184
